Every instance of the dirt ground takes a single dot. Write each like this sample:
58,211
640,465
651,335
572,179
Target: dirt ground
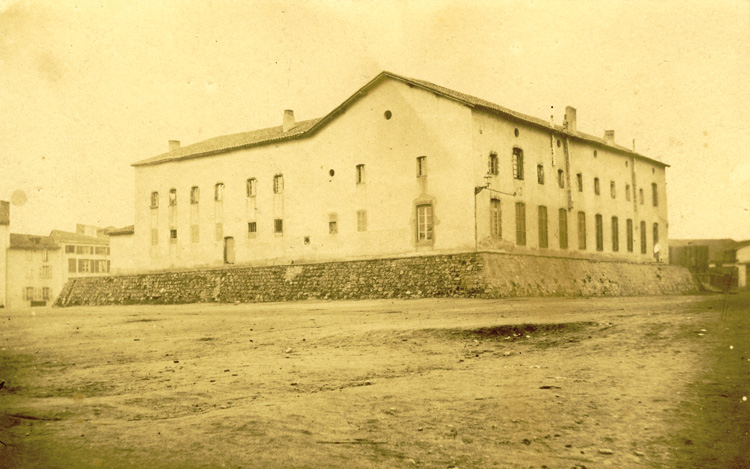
556,383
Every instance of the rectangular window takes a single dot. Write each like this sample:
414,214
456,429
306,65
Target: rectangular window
615,235
278,226
421,166
219,192
81,250
496,219
540,174
219,232
45,293
84,265
72,265
195,234
424,223
28,293
278,184
563,219
172,197
581,230
627,192
599,233
629,229
612,189
45,256
494,167
656,234
579,179
70,249
517,163
101,250
596,186
154,236
640,195
520,224
644,248
94,267
543,241
252,229
46,272
360,174
561,178
195,195
361,220
154,199
333,223
655,194
173,236
251,187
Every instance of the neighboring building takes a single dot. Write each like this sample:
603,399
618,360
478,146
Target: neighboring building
742,261
710,252
121,245
402,167
83,256
33,269
722,261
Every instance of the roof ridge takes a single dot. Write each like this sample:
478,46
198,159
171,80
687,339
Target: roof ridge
310,126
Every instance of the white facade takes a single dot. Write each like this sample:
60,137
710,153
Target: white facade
396,170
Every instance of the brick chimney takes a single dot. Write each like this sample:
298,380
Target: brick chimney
288,120
609,137
174,145
570,118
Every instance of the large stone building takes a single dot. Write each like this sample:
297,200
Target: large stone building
403,167
33,269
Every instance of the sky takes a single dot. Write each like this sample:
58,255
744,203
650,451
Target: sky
89,87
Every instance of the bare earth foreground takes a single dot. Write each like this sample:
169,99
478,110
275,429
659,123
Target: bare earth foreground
558,383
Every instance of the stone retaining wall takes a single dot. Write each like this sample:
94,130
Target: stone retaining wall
484,275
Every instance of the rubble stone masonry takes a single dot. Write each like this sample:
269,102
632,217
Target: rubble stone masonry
468,275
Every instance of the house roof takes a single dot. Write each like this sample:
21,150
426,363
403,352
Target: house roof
32,242
716,247
126,230
75,238
309,127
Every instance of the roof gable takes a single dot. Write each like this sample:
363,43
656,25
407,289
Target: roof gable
308,128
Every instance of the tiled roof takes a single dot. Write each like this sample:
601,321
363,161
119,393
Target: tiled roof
306,128
75,238
26,241
127,230
231,142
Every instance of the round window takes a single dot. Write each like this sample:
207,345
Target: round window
387,114
331,172
516,132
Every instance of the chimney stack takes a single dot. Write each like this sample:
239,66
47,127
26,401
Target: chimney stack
4,213
288,120
174,145
570,118
609,137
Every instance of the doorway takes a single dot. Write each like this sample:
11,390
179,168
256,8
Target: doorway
229,250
